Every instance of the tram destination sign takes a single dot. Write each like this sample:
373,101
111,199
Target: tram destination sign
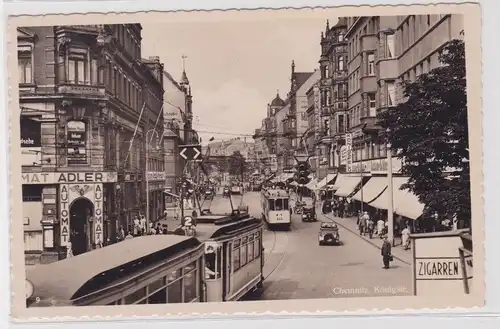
190,152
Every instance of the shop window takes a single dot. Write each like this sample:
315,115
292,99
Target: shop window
32,193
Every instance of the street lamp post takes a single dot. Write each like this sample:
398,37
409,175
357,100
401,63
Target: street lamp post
390,206
148,219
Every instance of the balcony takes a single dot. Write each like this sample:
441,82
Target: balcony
82,90
370,125
326,111
325,82
387,69
368,84
369,42
340,75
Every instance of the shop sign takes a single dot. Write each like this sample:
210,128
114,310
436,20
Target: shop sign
76,142
343,155
69,177
348,144
98,215
156,176
438,269
361,167
381,165
64,214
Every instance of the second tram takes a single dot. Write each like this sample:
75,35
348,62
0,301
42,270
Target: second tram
276,208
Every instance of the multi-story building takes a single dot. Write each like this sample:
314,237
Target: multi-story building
384,51
87,102
333,98
283,132
177,111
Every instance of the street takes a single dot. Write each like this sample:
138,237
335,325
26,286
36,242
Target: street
296,267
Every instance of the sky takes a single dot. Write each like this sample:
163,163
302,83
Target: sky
235,68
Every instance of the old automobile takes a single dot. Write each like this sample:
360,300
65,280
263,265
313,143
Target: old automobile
309,214
328,234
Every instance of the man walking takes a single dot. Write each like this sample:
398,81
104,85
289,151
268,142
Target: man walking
386,252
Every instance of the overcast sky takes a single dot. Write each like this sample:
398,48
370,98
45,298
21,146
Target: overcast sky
235,68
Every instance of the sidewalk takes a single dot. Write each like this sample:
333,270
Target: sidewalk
349,224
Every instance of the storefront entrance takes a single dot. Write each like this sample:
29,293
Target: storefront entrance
81,211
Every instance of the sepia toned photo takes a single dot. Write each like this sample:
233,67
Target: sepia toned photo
246,161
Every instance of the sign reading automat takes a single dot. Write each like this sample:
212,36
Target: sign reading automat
348,144
98,218
64,213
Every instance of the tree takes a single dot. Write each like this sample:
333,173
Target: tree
429,131
237,164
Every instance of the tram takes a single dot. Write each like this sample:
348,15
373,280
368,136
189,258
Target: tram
276,208
233,255
153,269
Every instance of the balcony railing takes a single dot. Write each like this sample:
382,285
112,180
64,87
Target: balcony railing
340,75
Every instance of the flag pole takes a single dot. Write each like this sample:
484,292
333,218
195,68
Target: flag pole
135,133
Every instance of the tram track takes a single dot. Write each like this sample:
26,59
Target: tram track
282,258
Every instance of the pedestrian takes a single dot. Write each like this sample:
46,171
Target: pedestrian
380,227
341,208
69,250
137,226
406,238
128,236
386,252
362,222
121,234
142,223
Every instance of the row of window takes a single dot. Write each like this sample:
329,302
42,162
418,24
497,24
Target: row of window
368,150
180,286
245,250
414,27
127,40
338,64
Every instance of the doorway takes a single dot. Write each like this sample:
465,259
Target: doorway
80,228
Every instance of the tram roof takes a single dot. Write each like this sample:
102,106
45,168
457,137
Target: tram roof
62,280
211,230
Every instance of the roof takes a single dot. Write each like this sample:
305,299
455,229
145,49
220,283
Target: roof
64,279
342,22
184,79
301,78
277,101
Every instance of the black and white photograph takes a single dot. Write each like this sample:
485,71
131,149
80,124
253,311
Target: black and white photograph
233,158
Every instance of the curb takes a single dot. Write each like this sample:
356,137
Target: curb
366,240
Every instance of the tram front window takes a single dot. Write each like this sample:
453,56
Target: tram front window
271,205
279,204
213,265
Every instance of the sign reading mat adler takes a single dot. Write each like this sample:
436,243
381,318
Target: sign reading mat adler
69,177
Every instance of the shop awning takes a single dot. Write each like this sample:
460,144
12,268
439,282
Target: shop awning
382,202
371,190
409,206
405,203
345,184
312,184
325,181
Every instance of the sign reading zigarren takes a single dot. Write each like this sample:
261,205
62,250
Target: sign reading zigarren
69,177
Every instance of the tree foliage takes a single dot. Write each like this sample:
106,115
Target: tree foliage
430,132
237,164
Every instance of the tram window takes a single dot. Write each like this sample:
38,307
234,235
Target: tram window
279,204
173,275
243,251
159,297
256,247
271,204
174,292
157,284
236,255
250,237
285,204
190,286
213,265
250,250
135,296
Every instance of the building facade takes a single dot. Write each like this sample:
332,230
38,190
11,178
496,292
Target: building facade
333,99
87,102
384,51
177,111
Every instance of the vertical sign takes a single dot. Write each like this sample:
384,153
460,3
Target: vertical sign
76,140
64,213
317,108
98,221
348,143
31,142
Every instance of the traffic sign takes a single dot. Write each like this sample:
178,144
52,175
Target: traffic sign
190,152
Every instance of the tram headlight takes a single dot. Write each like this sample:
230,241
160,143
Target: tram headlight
29,289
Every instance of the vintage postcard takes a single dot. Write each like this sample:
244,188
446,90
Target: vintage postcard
294,160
